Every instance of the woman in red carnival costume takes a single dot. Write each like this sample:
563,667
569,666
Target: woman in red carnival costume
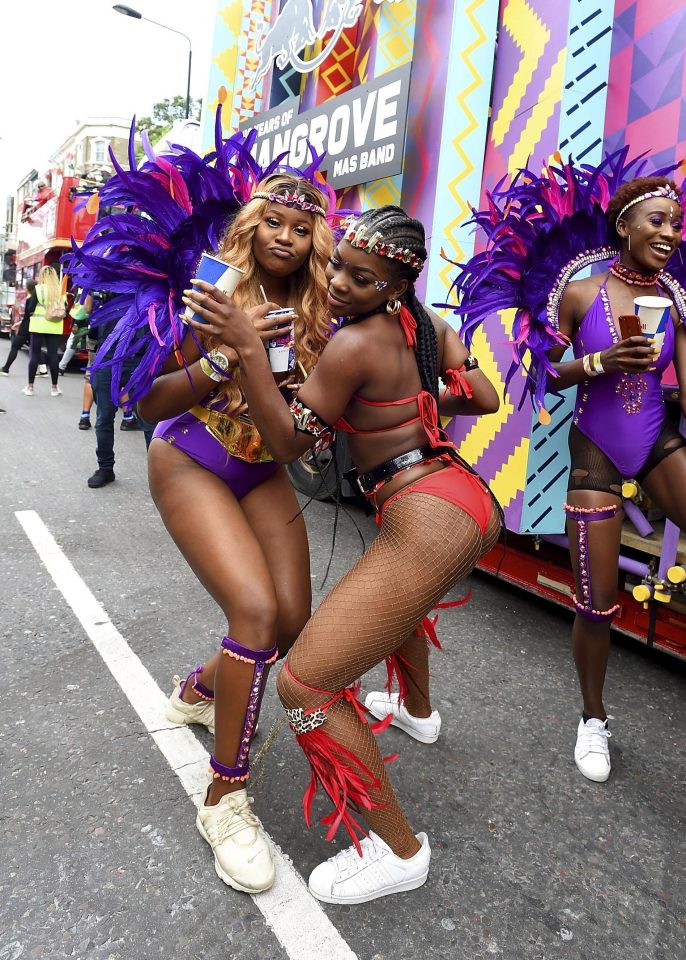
377,380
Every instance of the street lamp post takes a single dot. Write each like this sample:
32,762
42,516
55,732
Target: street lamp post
130,12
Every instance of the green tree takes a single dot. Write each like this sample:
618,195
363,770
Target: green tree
165,114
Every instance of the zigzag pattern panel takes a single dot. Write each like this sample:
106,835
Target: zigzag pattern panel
527,91
463,129
582,116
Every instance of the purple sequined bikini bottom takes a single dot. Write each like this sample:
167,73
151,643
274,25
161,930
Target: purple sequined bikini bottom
190,435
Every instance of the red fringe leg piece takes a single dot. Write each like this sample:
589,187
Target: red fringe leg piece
395,675
345,779
428,625
427,629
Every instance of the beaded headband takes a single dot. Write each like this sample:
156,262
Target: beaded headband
357,237
290,200
665,191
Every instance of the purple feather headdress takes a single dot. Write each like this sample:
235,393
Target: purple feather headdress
175,207
540,230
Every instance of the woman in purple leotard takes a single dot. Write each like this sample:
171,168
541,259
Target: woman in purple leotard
231,509
620,429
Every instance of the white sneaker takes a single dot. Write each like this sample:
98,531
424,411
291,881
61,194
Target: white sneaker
425,729
591,753
55,392
351,878
178,711
242,857
27,390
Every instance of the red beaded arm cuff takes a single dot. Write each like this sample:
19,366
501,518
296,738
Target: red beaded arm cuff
306,421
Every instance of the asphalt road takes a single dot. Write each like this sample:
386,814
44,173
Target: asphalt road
101,859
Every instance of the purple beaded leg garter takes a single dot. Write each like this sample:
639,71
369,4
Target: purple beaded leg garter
583,516
261,659
202,691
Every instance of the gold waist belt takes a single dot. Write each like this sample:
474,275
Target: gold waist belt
238,435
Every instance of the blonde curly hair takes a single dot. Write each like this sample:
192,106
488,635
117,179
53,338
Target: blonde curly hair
308,285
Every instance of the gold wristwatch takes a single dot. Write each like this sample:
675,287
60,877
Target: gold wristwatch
219,360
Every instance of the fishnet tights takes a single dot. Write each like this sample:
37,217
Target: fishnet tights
413,663
425,546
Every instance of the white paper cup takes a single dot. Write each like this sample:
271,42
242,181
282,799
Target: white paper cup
281,351
223,276
654,315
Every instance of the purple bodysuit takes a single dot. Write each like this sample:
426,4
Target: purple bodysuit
621,413
192,437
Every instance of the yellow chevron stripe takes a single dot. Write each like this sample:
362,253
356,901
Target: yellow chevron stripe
487,428
509,480
541,113
531,35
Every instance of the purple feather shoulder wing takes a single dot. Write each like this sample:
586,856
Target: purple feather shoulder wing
537,231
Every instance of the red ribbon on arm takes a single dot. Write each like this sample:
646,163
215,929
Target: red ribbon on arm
457,385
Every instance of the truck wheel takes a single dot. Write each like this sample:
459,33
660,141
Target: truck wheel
314,477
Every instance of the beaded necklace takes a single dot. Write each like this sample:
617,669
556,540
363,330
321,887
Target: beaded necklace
633,277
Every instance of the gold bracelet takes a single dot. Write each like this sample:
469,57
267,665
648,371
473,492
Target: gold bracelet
597,365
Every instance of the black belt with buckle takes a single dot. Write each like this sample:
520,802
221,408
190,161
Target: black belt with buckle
385,471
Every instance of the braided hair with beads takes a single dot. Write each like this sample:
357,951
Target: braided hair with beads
403,232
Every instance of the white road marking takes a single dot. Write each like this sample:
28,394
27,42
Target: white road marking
298,921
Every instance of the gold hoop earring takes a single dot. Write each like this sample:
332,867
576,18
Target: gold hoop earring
394,306
628,236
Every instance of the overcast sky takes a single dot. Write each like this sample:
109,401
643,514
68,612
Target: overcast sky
62,61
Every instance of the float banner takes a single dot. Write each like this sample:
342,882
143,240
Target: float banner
362,131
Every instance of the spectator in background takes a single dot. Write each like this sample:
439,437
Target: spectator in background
45,327
101,382
80,315
21,334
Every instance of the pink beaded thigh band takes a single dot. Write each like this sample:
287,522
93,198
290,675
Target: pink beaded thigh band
583,516
199,688
260,660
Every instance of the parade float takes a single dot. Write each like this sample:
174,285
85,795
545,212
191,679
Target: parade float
430,105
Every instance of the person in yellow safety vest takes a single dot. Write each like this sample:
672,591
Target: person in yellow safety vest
45,327
80,315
